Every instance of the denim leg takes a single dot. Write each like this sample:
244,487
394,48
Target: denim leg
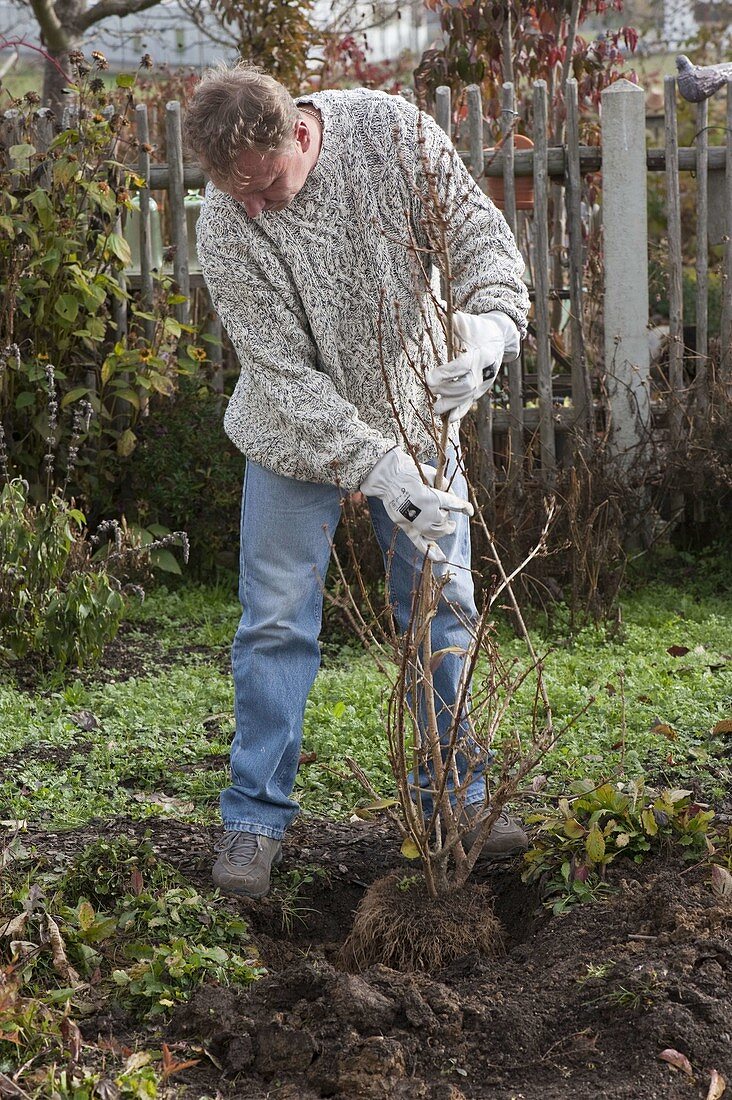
448,628
275,656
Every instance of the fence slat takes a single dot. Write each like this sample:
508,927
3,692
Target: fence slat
475,130
43,134
581,386
508,123
515,368
179,228
142,127
675,262
547,439
701,385
726,333
484,418
443,109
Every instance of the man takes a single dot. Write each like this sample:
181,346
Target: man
313,245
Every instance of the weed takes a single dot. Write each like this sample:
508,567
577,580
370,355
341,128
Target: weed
155,941
577,839
287,893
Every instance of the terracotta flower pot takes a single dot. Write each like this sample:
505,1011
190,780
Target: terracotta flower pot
524,185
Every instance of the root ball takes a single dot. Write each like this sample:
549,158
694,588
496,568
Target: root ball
400,926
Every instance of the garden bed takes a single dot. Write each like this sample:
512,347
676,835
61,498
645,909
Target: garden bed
580,1005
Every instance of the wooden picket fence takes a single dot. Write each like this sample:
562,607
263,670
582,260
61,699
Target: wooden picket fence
554,390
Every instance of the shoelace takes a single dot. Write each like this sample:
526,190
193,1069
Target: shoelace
242,847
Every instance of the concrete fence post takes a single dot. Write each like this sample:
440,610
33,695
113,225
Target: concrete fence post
625,238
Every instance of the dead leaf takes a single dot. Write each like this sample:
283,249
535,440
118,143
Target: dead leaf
72,1040
14,927
717,1085
15,823
105,1089
678,650
678,1060
61,964
721,881
439,655
85,720
725,726
663,729
136,881
137,1060
611,689
307,758
538,783
171,1067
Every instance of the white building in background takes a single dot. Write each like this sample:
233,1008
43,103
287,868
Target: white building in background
683,19
171,37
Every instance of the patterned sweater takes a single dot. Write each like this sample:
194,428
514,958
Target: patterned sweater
327,302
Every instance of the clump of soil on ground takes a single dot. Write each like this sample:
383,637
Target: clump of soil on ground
580,1005
399,925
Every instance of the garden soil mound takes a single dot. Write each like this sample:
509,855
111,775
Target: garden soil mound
581,1005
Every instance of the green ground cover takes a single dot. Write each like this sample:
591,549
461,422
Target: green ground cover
156,743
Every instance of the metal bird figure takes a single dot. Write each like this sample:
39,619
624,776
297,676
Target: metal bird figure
699,82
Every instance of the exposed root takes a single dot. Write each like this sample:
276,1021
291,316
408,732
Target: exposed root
398,925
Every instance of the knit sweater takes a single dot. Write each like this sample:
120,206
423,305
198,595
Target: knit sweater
327,301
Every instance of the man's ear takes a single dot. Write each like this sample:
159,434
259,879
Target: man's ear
302,135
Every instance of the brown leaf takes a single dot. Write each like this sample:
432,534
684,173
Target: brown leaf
678,650
439,655
85,720
61,964
136,882
105,1089
725,726
611,689
663,729
307,758
171,1066
72,1040
721,881
677,1059
717,1085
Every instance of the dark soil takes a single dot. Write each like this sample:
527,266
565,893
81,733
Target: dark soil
580,1005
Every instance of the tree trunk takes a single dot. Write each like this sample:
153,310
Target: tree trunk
60,33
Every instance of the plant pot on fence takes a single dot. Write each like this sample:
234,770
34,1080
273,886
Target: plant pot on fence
524,185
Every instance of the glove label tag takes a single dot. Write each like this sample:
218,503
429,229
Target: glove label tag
409,510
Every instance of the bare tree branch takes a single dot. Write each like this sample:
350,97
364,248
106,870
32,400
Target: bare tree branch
104,8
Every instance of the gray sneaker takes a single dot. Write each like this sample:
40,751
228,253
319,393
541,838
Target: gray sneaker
245,863
505,839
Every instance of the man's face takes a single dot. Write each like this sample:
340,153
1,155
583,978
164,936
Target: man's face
268,181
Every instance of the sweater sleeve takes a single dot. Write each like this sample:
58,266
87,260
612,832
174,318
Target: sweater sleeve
285,413
487,267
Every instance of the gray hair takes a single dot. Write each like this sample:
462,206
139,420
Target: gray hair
236,109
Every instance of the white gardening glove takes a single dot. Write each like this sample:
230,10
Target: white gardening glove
422,511
488,340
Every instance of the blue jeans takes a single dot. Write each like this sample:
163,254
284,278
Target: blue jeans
286,527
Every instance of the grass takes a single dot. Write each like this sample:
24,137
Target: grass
159,741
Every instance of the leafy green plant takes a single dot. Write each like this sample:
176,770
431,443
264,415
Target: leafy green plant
154,942
61,258
577,839
53,603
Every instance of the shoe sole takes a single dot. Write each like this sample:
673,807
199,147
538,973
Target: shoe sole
231,891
